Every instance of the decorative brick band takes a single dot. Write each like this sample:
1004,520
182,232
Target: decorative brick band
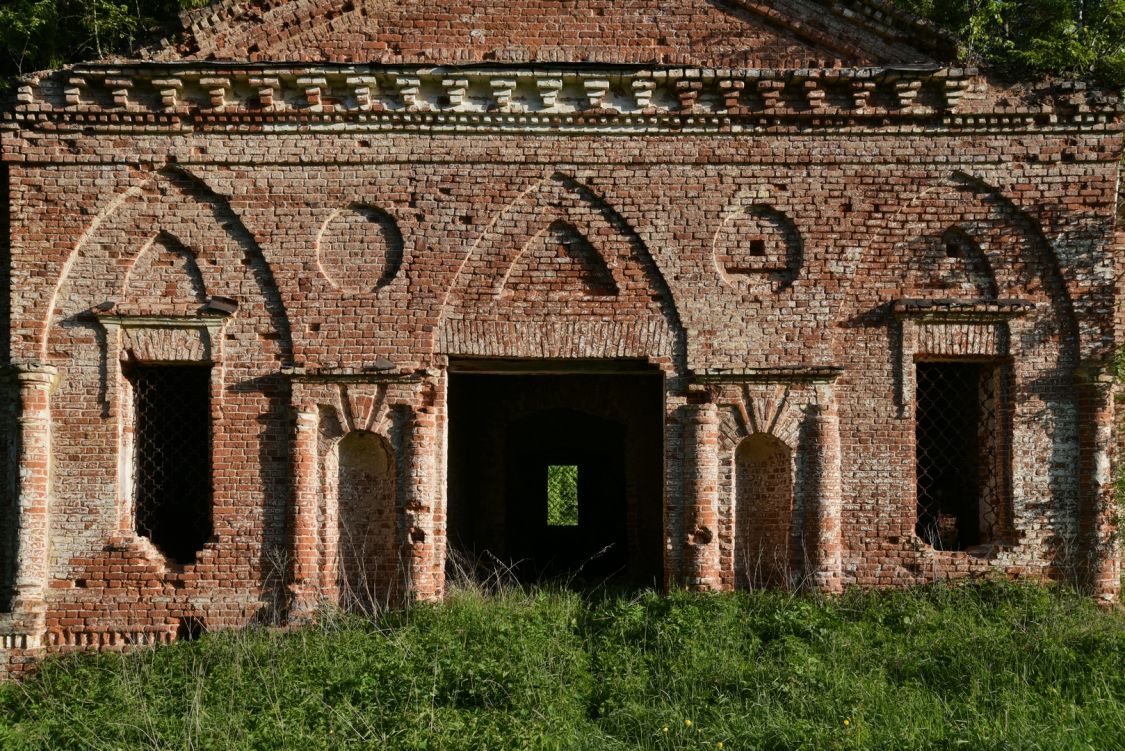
110,639
13,641
173,97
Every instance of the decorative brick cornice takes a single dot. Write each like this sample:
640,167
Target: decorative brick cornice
229,97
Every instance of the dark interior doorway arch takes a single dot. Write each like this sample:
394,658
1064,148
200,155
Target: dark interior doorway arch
597,544
605,428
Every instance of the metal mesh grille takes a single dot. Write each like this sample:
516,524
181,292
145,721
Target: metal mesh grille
948,444
171,468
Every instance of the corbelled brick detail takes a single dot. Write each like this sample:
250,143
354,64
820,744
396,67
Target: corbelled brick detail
768,226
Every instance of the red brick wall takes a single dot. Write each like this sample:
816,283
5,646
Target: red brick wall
362,257
692,32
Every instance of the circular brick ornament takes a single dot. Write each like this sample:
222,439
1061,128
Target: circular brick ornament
359,249
758,245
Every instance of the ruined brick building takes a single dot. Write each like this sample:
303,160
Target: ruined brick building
298,303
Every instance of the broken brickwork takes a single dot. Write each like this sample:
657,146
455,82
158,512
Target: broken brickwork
699,248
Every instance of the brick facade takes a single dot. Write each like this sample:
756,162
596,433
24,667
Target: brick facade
774,210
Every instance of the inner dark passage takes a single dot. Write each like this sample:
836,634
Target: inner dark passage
522,445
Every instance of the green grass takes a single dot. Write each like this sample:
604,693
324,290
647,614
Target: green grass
983,666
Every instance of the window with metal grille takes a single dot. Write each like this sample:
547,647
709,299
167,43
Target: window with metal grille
961,453
172,460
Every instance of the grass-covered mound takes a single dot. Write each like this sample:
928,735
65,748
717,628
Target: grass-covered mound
986,666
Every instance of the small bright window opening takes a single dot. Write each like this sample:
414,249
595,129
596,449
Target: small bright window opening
562,495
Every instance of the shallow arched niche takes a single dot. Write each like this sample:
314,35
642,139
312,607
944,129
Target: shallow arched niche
559,263
758,246
951,263
184,215
763,485
359,249
164,272
1020,260
366,523
480,317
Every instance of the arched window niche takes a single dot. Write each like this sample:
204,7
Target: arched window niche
369,571
763,484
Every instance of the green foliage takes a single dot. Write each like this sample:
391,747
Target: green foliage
1081,39
42,34
984,666
562,495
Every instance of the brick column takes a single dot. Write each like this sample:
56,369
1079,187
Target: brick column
701,495
33,504
1100,567
824,493
421,556
305,590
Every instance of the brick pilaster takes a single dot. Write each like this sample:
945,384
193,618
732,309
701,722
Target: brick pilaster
423,552
305,586
824,487
701,495
1099,568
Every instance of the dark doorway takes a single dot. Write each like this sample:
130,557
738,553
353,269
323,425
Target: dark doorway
962,465
520,442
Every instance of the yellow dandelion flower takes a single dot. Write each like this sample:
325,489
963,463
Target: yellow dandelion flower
719,744
847,723
665,728
687,723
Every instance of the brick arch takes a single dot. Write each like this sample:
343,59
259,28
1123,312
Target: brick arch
1039,351
180,208
576,267
631,313
167,268
248,401
1020,260
951,264
765,525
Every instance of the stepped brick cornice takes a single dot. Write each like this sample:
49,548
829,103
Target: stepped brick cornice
225,97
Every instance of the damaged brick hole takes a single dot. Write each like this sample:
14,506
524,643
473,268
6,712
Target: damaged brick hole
190,628
701,536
